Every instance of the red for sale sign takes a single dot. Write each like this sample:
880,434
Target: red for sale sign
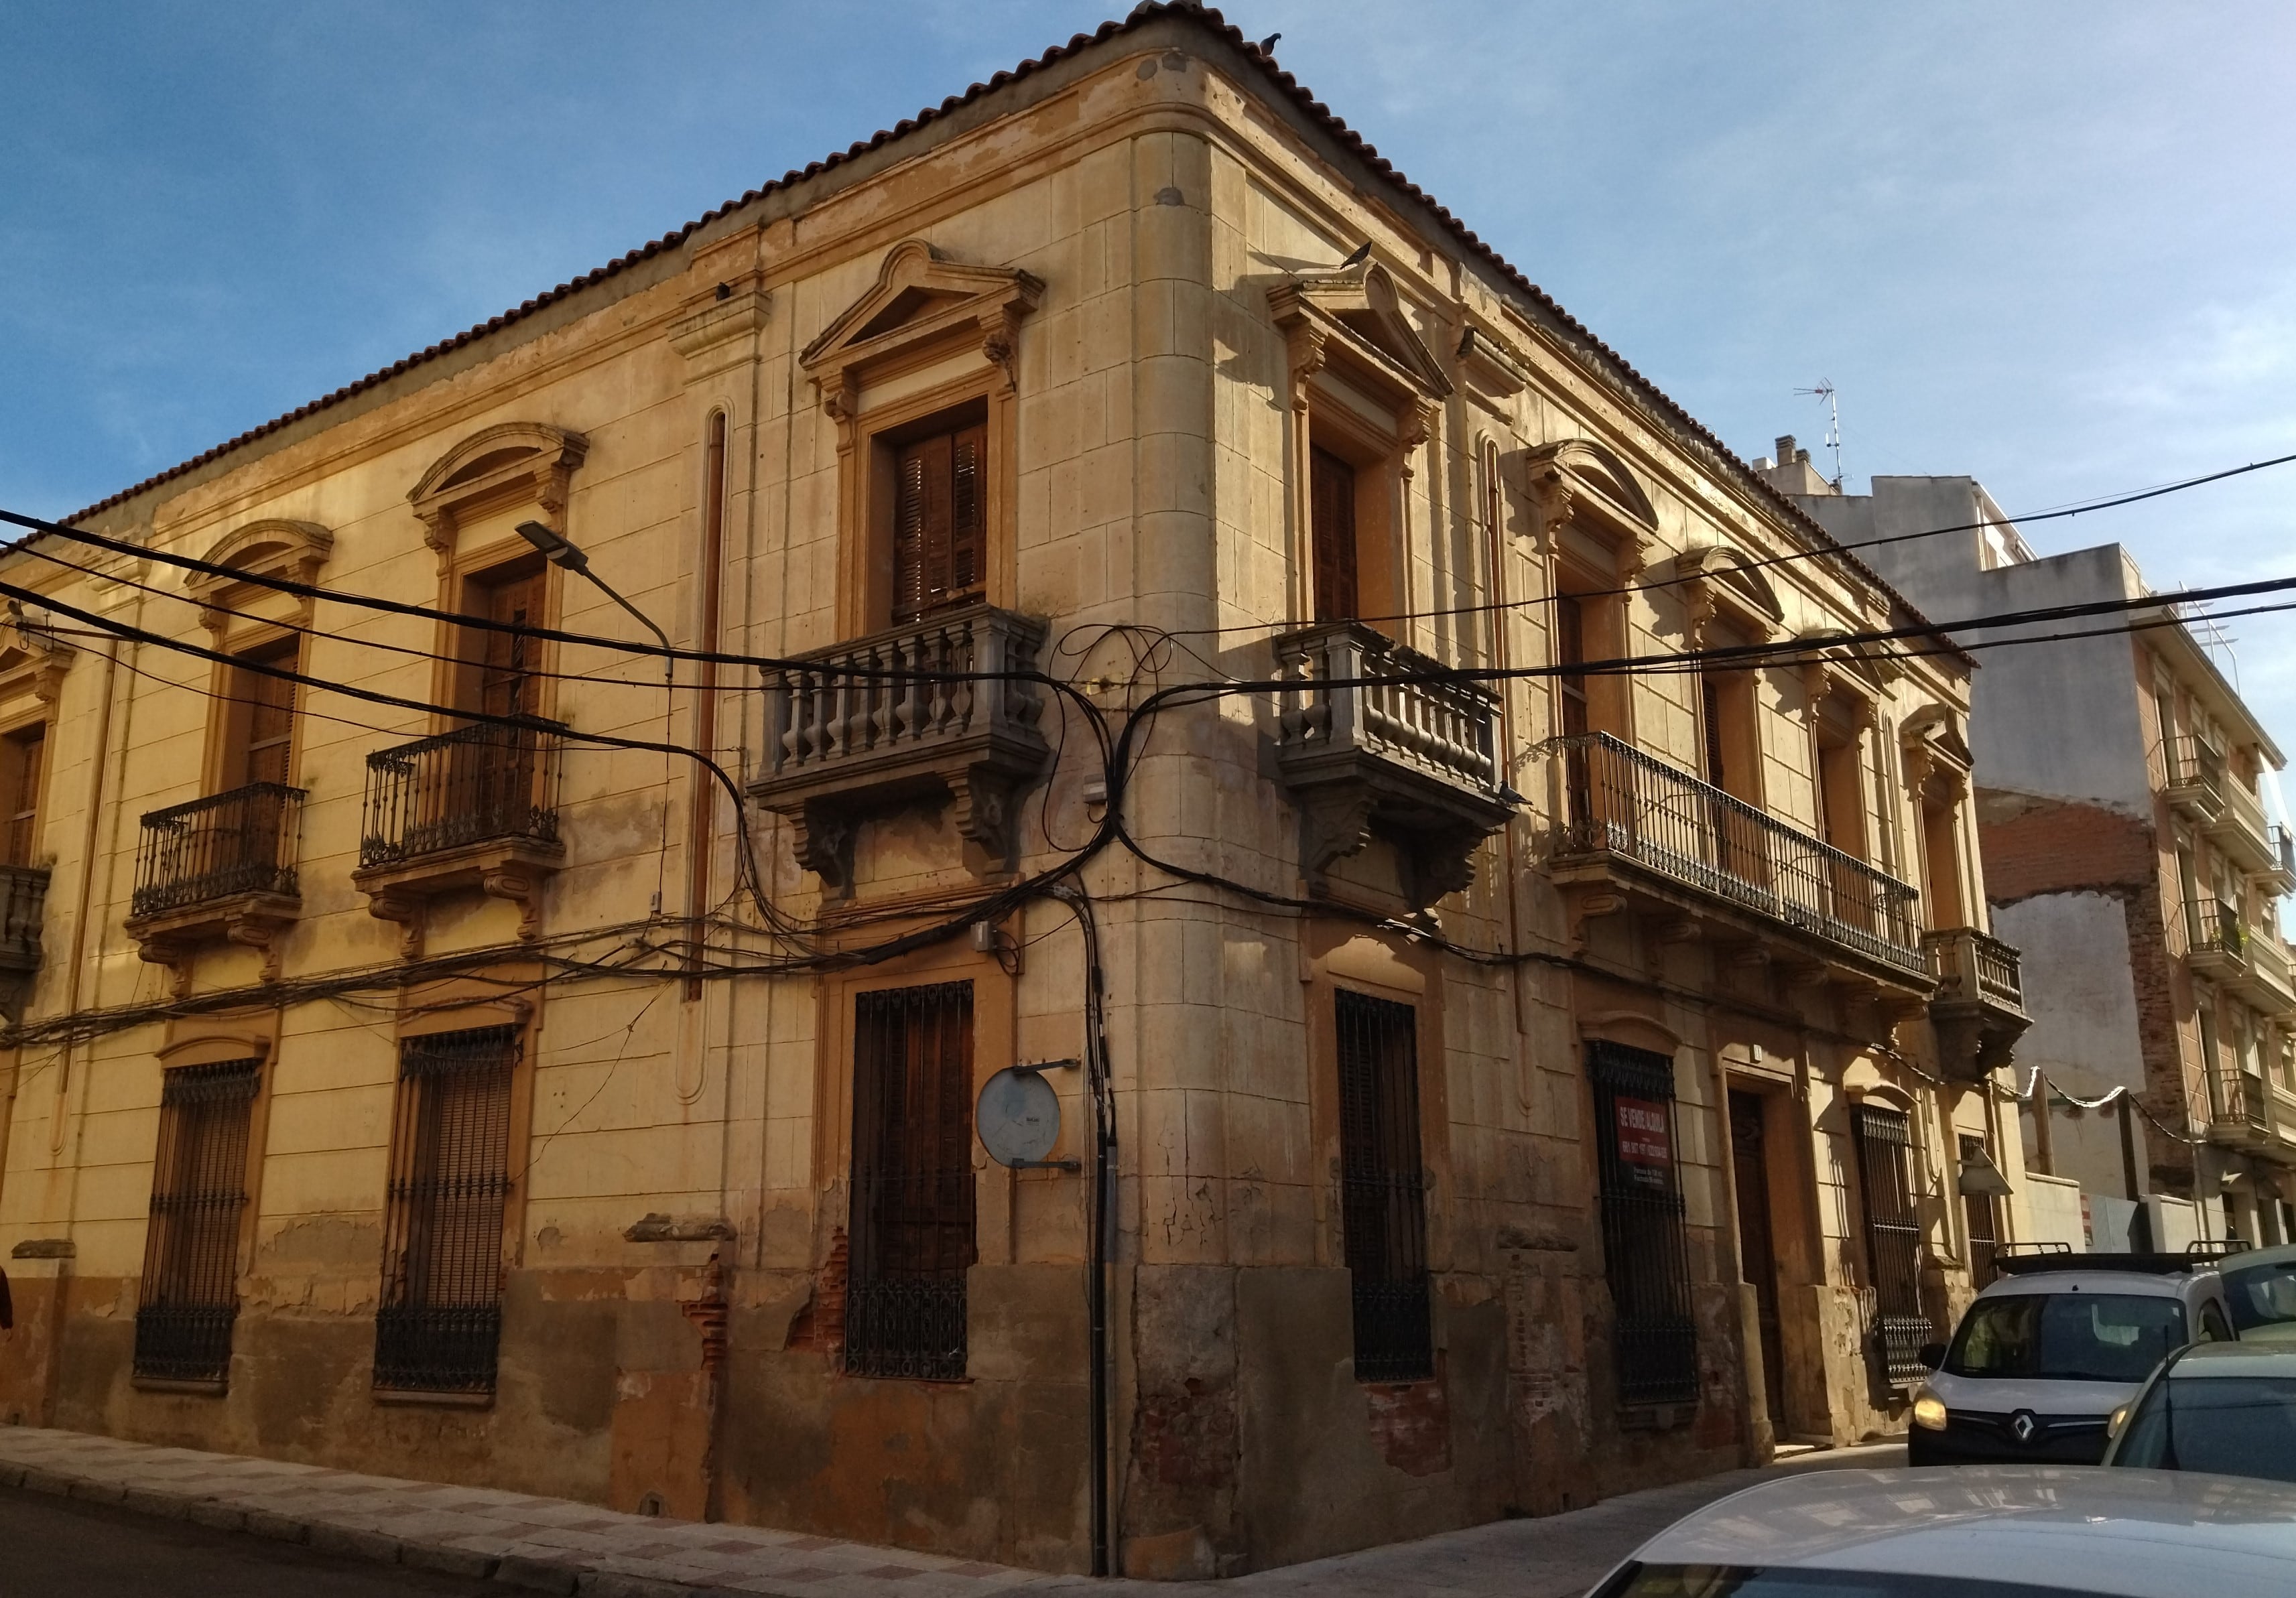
1645,1138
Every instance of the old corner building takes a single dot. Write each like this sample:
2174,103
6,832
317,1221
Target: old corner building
1526,1076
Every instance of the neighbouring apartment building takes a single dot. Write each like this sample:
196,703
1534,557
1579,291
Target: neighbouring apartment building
2137,850
1544,1053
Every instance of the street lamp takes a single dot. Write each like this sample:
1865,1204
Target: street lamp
560,551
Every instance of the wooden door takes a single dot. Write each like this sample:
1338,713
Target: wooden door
1755,1246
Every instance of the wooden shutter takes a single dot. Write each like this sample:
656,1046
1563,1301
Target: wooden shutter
1331,516
1382,1188
266,718
939,520
506,660
911,1224
24,753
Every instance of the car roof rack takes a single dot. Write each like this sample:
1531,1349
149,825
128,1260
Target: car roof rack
2065,1259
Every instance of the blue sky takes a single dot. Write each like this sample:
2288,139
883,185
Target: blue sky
2052,245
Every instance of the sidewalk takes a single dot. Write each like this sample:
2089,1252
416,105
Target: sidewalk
551,1546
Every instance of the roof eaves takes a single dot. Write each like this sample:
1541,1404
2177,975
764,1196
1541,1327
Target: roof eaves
1149,10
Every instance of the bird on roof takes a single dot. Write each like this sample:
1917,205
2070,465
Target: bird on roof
1267,44
1362,254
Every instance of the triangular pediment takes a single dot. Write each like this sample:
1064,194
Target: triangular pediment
919,296
1361,305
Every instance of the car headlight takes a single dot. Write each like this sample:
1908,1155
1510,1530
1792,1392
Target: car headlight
1929,1411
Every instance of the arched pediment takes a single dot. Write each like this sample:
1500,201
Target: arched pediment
1717,578
1576,481
497,465
293,549
922,303
1863,670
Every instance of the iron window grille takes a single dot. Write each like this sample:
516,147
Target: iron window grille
439,1326
1382,1188
1645,1238
1893,1238
911,1227
189,1295
1983,1216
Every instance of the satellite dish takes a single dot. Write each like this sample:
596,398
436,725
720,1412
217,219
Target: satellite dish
1019,1117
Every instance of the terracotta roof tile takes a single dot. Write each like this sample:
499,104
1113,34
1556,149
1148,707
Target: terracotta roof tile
1148,11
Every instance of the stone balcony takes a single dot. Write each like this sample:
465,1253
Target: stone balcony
1372,741
218,870
918,713
476,807
1638,833
23,906
1979,1012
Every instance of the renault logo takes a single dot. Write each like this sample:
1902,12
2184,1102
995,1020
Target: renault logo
2023,1426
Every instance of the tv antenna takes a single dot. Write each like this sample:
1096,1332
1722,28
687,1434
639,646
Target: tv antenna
1825,391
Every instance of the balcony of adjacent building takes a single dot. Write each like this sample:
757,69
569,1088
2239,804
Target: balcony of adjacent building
1979,1012
217,870
2255,846
1373,741
476,807
2198,779
2242,1112
937,710
2250,962
1637,833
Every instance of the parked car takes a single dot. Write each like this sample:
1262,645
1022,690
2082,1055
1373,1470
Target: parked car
2044,1355
2001,1531
2225,1407
2260,1291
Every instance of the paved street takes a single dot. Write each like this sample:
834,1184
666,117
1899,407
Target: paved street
51,1546
94,1516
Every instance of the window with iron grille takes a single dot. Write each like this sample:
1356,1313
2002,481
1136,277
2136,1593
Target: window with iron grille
910,1235
190,1292
1893,1237
1383,1187
441,1321
1983,1216
1645,1240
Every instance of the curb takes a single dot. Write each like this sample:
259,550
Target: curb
517,1572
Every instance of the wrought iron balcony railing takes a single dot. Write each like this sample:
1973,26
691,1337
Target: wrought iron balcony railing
2213,933
222,847
2196,777
1621,802
1354,691
23,904
482,784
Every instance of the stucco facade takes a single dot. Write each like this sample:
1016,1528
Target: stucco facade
1605,985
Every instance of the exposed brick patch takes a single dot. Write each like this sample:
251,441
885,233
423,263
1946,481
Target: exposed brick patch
1412,1424
1186,1437
2034,846
821,1323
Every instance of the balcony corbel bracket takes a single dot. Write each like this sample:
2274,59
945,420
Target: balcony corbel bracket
1334,823
260,933
175,955
410,912
983,809
822,835
519,883
1438,862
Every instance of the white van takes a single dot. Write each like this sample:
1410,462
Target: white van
2045,1356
